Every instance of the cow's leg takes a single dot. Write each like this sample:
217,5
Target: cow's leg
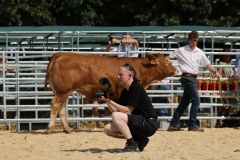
62,115
55,108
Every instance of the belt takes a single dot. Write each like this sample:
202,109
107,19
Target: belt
189,75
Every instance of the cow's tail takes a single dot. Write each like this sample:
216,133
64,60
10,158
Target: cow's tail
53,58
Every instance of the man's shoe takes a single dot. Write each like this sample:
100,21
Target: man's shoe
130,147
172,128
142,143
196,129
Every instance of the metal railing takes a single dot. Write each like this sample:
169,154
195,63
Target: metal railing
26,83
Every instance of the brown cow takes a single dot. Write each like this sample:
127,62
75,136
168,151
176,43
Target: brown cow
68,72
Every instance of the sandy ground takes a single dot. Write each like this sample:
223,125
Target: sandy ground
214,143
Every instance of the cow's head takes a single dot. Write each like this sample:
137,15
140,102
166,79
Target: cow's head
162,63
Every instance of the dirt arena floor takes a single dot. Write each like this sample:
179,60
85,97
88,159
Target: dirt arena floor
93,144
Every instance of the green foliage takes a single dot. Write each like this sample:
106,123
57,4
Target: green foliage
119,12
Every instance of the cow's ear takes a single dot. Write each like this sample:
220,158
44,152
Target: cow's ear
150,59
145,61
159,55
150,56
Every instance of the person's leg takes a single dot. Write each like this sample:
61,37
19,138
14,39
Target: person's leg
120,129
141,128
106,113
190,87
112,131
95,113
195,99
182,105
121,121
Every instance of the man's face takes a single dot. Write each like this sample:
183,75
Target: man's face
193,42
123,75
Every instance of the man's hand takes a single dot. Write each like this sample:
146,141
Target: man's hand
218,75
104,99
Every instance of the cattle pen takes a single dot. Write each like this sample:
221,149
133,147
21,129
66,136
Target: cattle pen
29,52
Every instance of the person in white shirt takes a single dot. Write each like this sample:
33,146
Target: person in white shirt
127,43
189,58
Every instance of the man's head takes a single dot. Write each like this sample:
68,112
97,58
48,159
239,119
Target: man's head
193,38
127,72
126,35
193,35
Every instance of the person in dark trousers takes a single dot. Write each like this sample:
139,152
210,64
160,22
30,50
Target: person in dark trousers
189,58
133,115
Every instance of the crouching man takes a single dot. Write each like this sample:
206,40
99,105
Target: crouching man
133,115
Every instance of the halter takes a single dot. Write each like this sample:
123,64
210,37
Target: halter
153,62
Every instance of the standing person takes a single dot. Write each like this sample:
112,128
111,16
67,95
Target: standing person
225,72
189,59
133,115
126,43
8,69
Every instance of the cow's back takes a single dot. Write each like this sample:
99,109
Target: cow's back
70,72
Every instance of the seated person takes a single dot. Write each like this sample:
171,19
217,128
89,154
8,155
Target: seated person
126,43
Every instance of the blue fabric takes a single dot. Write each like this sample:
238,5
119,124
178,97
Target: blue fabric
236,61
190,94
163,112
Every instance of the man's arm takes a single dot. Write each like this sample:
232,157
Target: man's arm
213,70
124,41
113,106
131,41
110,43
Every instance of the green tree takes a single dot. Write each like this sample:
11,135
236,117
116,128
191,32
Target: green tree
77,12
25,12
119,12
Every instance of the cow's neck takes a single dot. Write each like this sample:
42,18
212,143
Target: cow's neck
146,81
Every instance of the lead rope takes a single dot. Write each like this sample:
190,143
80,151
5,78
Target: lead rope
219,82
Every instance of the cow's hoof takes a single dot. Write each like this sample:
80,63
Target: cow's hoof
68,131
48,131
